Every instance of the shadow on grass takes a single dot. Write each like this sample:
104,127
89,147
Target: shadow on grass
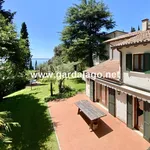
36,126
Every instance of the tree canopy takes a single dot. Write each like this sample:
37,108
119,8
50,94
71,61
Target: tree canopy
13,52
7,14
83,34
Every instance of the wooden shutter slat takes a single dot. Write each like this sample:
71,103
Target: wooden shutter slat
129,111
129,62
147,62
147,121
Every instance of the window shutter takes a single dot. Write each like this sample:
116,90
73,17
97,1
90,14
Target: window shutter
129,111
129,62
147,121
147,62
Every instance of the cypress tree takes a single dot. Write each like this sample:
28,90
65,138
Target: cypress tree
25,36
36,65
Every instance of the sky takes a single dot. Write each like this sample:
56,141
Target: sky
45,19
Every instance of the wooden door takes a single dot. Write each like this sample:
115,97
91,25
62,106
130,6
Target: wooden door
112,102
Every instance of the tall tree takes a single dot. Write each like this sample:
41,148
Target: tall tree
30,66
58,51
10,73
24,35
7,14
13,51
139,28
133,29
36,65
82,37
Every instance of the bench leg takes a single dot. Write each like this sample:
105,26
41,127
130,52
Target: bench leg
94,122
78,110
91,125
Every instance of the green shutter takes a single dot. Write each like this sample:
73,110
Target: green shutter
92,90
129,62
112,102
147,62
129,111
147,121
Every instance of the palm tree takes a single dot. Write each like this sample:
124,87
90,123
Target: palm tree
5,126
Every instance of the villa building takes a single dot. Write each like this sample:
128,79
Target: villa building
110,54
124,86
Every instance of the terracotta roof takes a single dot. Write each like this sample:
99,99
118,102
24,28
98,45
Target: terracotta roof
142,37
125,36
109,66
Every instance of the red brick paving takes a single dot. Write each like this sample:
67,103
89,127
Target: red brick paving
74,134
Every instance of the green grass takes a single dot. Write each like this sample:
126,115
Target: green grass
29,109
77,84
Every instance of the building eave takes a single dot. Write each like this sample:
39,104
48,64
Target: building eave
126,89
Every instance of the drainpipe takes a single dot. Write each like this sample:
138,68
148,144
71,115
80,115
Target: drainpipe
121,71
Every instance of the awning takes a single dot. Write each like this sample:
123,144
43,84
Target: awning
126,89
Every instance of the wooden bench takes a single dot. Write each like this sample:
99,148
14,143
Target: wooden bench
92,112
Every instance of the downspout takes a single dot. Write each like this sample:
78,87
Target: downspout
121,70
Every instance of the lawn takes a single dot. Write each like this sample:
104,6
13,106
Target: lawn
77,84
29,109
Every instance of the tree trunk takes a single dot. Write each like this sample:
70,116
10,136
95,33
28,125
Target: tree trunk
91,59
60,86
51,88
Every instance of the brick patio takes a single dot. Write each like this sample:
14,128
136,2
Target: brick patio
74,134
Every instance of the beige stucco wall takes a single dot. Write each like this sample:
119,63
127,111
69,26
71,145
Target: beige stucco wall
136,79
114,54
115,34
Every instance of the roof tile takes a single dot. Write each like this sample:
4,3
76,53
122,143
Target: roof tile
142,37
109,66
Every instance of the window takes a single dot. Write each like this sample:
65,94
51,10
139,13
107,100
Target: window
138,62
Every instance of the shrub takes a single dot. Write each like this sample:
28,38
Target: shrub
67,92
